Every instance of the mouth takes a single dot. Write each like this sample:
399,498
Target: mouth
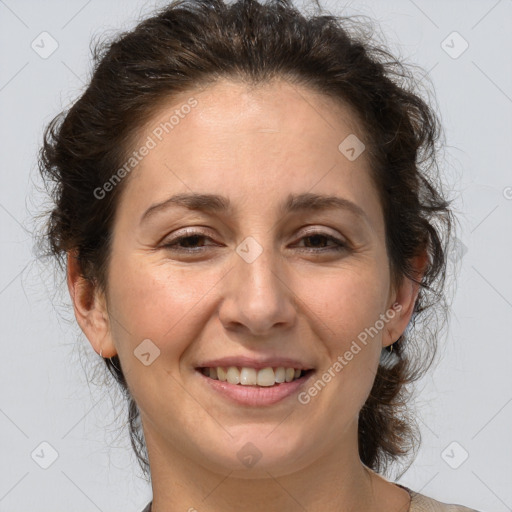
246,376
251,387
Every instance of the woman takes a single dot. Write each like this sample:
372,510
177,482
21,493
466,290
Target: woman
248,213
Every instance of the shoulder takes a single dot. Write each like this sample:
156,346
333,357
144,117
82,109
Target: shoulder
421,503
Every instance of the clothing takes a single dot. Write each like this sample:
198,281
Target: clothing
419,503
422,503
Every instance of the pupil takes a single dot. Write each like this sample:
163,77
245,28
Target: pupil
187,241
317,238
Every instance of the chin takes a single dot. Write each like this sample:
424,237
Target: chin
256,453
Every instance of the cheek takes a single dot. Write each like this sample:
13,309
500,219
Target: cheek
157,302
346,301
345,308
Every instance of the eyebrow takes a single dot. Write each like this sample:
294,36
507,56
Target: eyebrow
294,203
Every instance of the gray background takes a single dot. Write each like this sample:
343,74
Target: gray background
49,390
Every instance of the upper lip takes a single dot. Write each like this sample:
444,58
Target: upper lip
257,363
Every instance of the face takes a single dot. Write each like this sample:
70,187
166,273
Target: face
266,278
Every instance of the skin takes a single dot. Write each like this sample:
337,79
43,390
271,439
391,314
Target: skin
255,146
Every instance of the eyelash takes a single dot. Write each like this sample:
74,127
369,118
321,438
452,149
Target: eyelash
173,244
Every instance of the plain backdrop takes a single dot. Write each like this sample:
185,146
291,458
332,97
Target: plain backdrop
47,394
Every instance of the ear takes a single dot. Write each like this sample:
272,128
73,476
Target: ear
402,301
90,308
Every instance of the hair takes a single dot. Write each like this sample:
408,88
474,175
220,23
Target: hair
190,44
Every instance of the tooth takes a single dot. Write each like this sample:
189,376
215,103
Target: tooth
233,375
290,373
221,373
248,377
266,377
280,374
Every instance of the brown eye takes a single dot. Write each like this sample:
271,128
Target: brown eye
191,242
318,241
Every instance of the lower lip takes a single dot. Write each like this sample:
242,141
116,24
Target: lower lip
256,396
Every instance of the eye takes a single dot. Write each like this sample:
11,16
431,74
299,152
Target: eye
193,242
317,239
187,242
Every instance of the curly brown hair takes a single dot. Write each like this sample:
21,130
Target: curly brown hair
193,43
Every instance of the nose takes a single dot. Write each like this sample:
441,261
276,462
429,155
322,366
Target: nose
258,296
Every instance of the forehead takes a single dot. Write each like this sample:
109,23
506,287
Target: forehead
250,142
242,112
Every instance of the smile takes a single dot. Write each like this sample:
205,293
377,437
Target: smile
248,386
251,376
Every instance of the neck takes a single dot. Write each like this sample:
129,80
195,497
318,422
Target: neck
333,479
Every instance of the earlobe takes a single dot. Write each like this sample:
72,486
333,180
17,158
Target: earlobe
90,308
